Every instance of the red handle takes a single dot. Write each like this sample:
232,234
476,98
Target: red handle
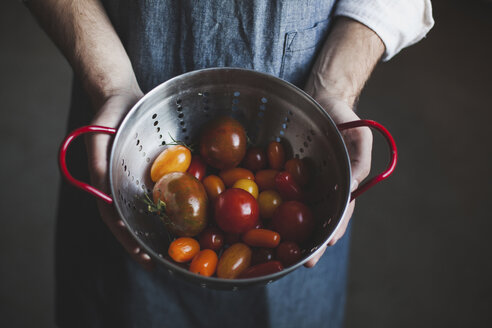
63,162
393,153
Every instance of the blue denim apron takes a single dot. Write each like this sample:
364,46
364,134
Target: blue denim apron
98,285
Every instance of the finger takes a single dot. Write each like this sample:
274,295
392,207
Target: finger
359,145
312,262
343,224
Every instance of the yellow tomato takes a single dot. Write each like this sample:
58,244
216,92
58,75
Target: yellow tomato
248,185
268,201
172,159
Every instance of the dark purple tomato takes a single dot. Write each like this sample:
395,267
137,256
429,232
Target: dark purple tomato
293,221
255,159
288,253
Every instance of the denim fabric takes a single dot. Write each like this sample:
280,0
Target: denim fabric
98,285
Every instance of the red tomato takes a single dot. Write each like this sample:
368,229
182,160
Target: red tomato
299,170
288,253
183,249
236,211
287,187
276,155
204,263
262,255
265,179
255,159
211,238
230,176
223,143
214,186
197,168
262,269
293,221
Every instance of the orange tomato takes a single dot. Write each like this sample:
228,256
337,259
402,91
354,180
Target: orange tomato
204,263
268,201
248,185
183,249
172,159
262,238
232,175
276,155
214,186
265,179
233,261
299,170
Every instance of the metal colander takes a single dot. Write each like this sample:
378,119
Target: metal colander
268,108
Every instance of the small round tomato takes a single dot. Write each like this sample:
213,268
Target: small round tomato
211,238
214,186
230,176
236,211
261,238
233,261
288,253
262,255
276,155
265,179
198,167
204,263
172,159
261,269
247,185
268,201
299,170
255,159
293,221
287,187
183,249
223,143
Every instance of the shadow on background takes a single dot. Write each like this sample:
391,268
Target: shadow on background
421,249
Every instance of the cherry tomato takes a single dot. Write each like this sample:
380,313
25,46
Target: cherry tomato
198,167
276,155
255,159
265,179
288,253
214,186
223,143
183,249
261,238
236,211
172,159
287,187
204,263
299,170
262,255
233,261
293,221
230,176
211,238
262,269
181,201
268,201
247,185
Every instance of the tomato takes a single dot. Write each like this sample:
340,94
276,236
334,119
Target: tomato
183,249
262,255
214,186
255,159
198,167
261,238
287,187
211,238
262,269
230,176
293,221
236,211
172,159
233,261
223,143
299,170
204,263
288,253
276,155
247,185
265,179
181,201
268,201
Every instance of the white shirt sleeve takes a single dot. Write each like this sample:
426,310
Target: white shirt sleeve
399,23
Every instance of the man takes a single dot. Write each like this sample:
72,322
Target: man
122,49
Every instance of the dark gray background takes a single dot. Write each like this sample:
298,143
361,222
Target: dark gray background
421,253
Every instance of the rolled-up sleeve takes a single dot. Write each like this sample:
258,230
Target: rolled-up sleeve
399,23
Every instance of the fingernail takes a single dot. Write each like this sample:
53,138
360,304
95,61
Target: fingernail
354,185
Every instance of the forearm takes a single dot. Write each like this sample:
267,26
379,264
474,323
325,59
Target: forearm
345,62
85,35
